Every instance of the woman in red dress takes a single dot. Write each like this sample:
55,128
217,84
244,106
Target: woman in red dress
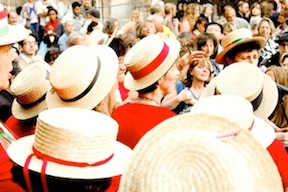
152,72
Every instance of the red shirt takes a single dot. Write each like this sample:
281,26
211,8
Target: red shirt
136,119
280,157
18,130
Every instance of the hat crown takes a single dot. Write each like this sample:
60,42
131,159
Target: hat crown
31,83
135,60
75,135
236,37
73,71
232,107
229,82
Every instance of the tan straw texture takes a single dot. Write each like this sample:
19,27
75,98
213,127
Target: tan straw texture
235,38
74,135
197,152
142,54
29,89
78,68
237,110
246,80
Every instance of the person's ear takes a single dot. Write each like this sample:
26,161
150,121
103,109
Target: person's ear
228,60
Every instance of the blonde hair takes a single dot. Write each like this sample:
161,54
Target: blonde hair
271,25
108,104
190,13
169,7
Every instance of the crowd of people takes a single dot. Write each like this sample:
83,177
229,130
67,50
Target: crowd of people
187,99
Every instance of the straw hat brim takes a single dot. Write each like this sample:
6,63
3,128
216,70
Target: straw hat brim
27,113
190,162
263,132
220,57
22,148
133,84
106,79
16,34
269,100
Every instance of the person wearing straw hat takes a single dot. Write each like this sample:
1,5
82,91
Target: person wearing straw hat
256,87
29,89
240,45
73,149
151,65
240,111
199,152
84,77
8,35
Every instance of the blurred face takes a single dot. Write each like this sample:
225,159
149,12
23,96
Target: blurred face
285,64
52,15
208,11
7,56
216,31
197,11
248,56
201,26
256,11
77,11
69,27
208,48
265,30
230,16
121,69
283,47
245,8
13,18
167,82
86,3
200,72
148,29
30,46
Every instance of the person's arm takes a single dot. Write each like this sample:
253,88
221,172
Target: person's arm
172,100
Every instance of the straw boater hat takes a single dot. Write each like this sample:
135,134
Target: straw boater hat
76,143
237,110
235,38
29,89
149,60
199,152
246,80
82,76
8,33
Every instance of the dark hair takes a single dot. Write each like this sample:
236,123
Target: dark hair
241,48
21,43
118,45
75,4
202,39
18,10
200,20
215,23
148,89
52,9
52,54
56,184
91,26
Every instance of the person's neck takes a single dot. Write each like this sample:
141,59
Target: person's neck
28,55
152,98
197,85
